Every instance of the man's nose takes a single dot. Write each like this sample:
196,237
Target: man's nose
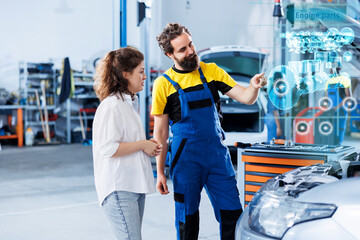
190,51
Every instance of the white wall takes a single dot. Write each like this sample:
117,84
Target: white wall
214,22
32,30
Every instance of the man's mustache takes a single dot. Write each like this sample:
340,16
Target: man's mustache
191,56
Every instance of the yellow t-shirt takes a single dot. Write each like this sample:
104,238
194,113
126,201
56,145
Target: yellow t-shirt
343,80
340,83
165,98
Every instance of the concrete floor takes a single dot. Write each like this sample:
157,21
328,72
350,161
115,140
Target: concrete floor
47,192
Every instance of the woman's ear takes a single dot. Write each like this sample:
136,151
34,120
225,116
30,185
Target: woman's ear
125,74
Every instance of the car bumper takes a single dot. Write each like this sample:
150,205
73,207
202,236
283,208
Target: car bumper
327,228
244,232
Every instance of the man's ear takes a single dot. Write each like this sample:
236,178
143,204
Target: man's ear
170,55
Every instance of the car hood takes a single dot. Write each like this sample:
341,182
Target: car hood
316,183
339,192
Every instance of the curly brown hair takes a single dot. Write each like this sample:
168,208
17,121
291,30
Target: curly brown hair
109,77
170,32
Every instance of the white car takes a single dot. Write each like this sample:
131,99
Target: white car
241,123
316,202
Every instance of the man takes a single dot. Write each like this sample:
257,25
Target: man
337,89
273,119
273,122
186,96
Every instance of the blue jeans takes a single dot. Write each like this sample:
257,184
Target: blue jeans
125,211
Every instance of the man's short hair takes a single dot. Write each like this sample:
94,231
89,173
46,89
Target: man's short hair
170,32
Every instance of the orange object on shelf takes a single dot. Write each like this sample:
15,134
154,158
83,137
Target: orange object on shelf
19,126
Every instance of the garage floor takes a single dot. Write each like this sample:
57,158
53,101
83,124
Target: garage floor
48,192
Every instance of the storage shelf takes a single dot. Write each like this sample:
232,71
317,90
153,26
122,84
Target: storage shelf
8,137
83,117
84,96
52,123
30,107
31,77
32,90
84,93
83,75
37,76
80,83
19,125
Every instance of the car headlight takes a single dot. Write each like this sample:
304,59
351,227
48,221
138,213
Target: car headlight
272,215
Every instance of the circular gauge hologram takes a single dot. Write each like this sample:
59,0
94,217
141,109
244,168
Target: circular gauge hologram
281,87
329,41
349,104
310,85
326,128
320,79
325,103
302,128
347,56
348,35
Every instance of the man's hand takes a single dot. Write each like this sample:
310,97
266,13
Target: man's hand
161,185
258,81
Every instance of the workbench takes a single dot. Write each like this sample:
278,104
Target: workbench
260,162
7,109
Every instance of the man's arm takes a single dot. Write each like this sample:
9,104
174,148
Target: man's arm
347,94
247,95
277,122
161,134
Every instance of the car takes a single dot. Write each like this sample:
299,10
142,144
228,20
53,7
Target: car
320,201
241,123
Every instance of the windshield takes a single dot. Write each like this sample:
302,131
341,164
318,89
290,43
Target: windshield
237,65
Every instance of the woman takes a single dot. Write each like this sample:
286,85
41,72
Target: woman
122,167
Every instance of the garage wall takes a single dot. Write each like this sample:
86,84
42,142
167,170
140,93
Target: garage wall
212,23
34,31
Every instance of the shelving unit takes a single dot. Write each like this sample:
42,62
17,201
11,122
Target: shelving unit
31,77
7,110
84,101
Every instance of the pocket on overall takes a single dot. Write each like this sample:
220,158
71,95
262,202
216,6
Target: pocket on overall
177,154
179,199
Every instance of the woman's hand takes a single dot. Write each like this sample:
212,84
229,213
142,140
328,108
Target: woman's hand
152,147
158,148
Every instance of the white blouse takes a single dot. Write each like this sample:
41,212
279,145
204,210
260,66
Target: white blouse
117,121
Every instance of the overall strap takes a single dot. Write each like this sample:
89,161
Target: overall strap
175,84
202,77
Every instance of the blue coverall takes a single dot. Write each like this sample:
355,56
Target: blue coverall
333,91
271,123
200,159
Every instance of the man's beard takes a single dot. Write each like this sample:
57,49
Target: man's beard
189,63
